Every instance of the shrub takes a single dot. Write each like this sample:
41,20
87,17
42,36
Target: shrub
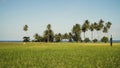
57,38
104,39
87,40
26,39
95,40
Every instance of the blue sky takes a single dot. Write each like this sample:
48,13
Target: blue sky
61,14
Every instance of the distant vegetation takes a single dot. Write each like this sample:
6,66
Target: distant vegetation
74,35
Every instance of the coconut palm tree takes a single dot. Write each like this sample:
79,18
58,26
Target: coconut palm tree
57,38
49,34
85,27
100,26
91,29
25,28
76,32
105,30
70,37
46,36
49,28
98,29
26,38
66,36
60,35
108,25
37,37
95,26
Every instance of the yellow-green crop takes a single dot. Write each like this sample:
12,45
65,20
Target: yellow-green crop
59,55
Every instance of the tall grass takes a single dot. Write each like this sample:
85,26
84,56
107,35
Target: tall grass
59,55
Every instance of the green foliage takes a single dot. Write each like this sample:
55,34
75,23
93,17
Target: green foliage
95,25
59,55
85,27
48,26
95,40
105,30
37,37
70,37
26,39
48,34
76,38
65,36
104,39
100,24
91,27
87,40
25,28
76,32
108,25
57,37
75,35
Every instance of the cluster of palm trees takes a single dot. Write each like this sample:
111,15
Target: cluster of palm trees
74,35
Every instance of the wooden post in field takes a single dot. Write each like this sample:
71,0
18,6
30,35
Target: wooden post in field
111,41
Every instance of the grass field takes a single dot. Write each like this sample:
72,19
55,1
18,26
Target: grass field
59,55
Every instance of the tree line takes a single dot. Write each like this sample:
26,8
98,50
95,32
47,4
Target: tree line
74,35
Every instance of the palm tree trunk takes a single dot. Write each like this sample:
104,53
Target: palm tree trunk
91,35
95,35
98,35
48,39
26,34
107,34
48,36
84,35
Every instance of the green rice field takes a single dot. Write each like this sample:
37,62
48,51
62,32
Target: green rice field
59,55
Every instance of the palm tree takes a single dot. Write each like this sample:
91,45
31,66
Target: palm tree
91,29
95,26
59,34
26,39
105,30
100,26
48,27
108,25
85,27
51,35
76,32
48,34
98,29
25,28
37,37
70,37
65,36
57,38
